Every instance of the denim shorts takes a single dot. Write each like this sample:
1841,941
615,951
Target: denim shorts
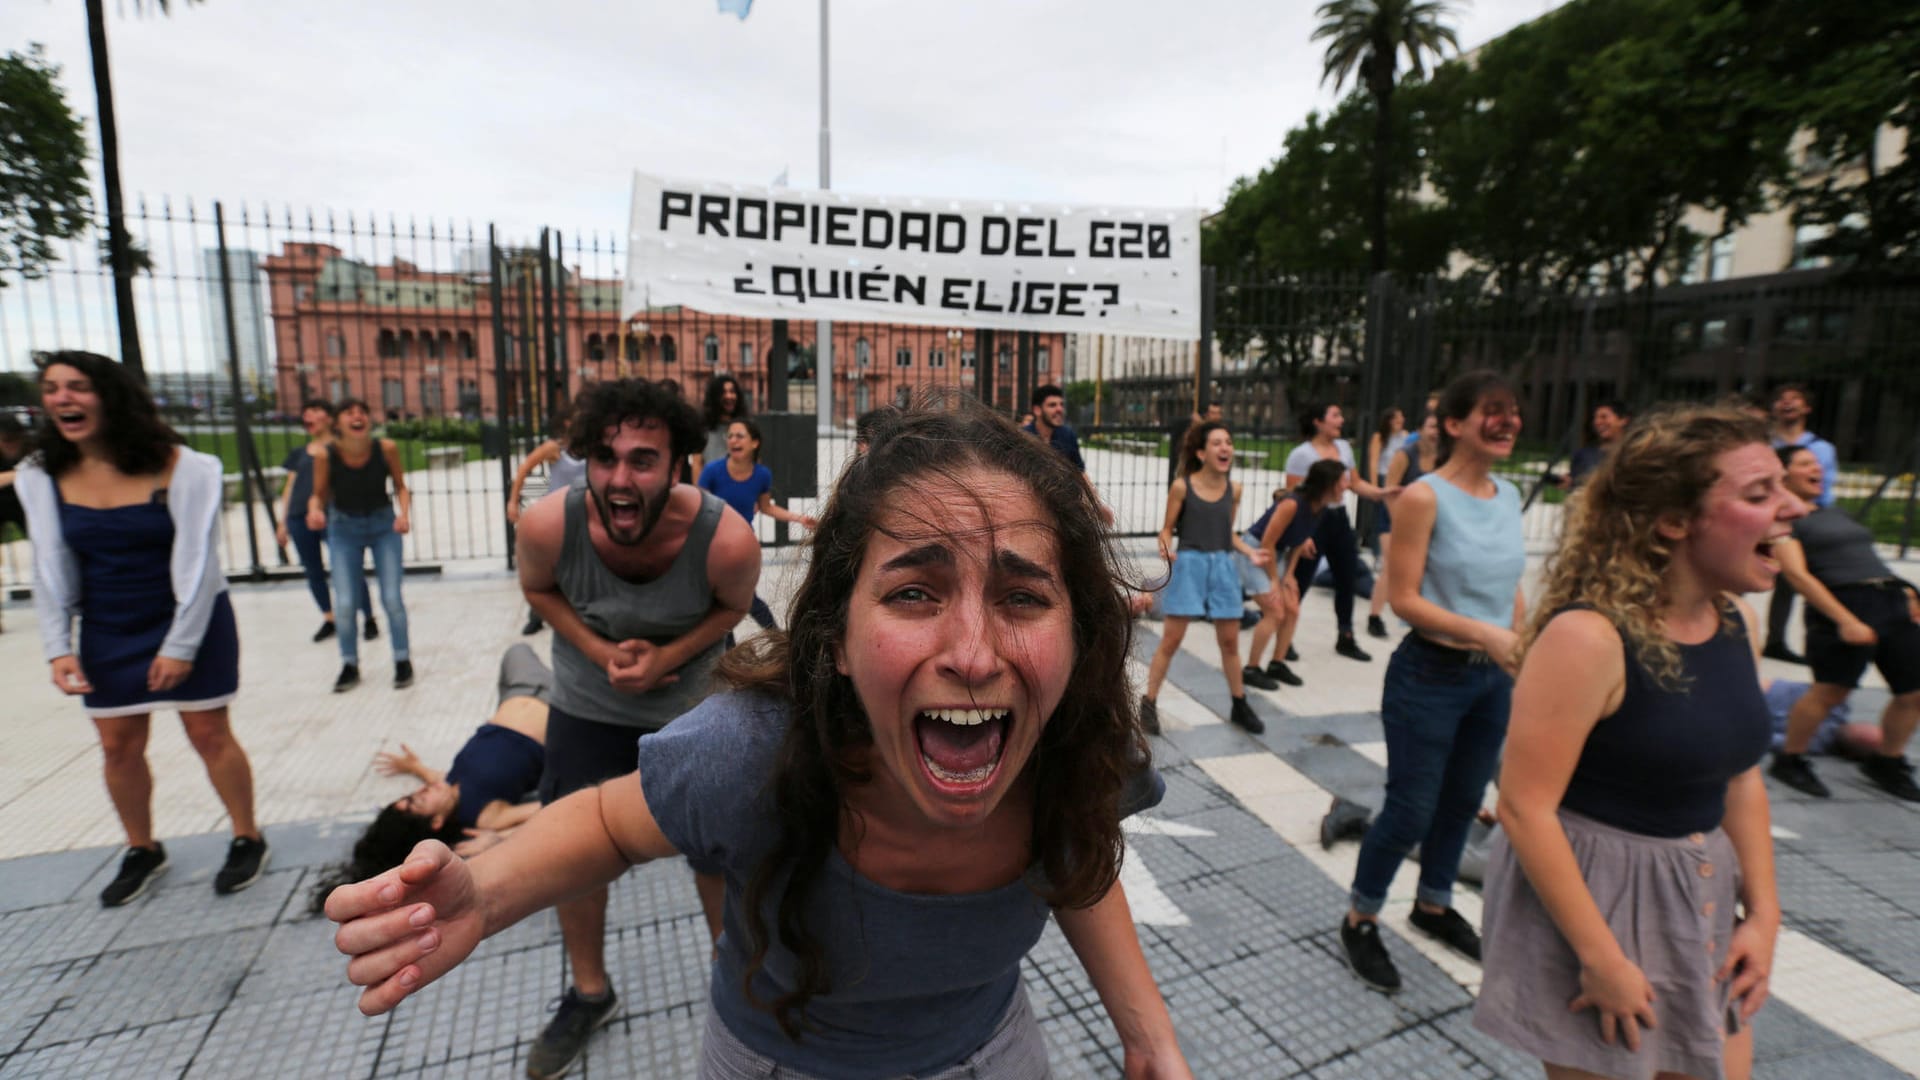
1203,585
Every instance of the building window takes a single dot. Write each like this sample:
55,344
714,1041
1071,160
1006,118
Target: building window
336,345
903,357
1006,358
636,346
596,348
339,389
1042,359
1804,237
668,350
711,349
746,356
1713,334
406,345
966,359
1720,258
386,347
430,395
393,394
429,345
469,397
466,345
937,359
862,353
302,293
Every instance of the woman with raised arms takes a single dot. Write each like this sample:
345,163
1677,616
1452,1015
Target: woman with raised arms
901,791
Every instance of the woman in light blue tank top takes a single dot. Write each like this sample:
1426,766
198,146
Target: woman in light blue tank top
1457,558
900,793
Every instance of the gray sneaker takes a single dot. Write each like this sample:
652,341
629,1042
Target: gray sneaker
565,1037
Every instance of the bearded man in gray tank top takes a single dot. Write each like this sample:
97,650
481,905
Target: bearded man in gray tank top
640,578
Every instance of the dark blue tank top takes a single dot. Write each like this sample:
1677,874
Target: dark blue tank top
497,763
1305,520
1659,766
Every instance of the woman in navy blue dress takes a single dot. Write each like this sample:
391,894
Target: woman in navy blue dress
125,533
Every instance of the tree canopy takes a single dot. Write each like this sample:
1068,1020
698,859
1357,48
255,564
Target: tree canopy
43,165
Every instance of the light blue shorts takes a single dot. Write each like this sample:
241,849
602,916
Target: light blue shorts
1203,585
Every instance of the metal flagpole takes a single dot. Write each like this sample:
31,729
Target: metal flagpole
823,333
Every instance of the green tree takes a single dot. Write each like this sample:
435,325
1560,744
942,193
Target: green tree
1365,39
43,165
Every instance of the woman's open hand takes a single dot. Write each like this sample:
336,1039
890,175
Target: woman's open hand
1750,964
408,926
68,676
1622,996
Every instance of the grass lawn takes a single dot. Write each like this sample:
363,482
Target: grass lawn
273,445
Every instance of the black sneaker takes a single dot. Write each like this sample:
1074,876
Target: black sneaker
246,861
327,630
1449,928
1367,956
1778,650
1278,671
1377,627
1258,679
137,871
349,678
1243,716
565,1036
1149,716
1350,648
534,625
371,630
1293,655
1893,775
403,674
1793,771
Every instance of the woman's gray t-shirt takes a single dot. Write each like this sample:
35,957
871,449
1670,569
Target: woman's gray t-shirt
918,982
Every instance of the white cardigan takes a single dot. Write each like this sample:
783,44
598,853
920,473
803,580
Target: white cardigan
193,500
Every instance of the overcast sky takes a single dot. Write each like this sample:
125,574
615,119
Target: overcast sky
536,113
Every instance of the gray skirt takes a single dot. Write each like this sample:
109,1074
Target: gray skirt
1670,905
1014,1051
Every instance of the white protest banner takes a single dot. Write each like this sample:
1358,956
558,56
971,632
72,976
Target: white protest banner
778,253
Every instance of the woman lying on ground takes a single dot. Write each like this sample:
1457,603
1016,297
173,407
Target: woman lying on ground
1633,815
478,799
901,792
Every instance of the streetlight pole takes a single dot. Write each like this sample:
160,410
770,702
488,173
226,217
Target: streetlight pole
823,330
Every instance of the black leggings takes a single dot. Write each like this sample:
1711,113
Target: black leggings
1779,611
1334,539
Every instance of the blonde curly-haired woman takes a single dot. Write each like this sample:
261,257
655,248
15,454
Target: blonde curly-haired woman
1633,812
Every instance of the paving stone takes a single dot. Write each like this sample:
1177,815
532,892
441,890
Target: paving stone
1892,876
314,1034
138,987
507,1061
1342,771
1498,1058
1419,1053
661,966
59,932
655,892
1170,862
1219,1038
314,844
1189,791
160,1049
1214,740
1074,1053
480,1006
664,1044
1239,839
190,909
1780,1031
41,880
1227,925
299,959
1306,1004
1850,1062
1299,898
1040,996
27,995
1887,944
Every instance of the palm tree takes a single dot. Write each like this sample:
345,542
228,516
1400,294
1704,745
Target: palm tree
1366,37
121,254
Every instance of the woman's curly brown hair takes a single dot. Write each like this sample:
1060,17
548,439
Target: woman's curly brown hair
1089,747
1612,557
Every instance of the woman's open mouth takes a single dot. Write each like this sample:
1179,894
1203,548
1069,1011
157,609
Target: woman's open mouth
960,748
70,422
1764,551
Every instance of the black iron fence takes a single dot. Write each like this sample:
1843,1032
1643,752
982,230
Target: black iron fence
465,343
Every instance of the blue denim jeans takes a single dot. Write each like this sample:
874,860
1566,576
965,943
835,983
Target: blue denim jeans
309,545
349,536
1445,720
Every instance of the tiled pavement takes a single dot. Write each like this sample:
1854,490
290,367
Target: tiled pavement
1236,910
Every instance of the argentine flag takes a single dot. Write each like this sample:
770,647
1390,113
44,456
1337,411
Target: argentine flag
736,7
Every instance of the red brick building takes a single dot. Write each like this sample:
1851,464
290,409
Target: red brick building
416,342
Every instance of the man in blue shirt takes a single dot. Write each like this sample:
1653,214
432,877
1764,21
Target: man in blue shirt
1791,404
1049,422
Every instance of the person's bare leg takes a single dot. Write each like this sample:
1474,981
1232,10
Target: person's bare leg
211,734
1264,630
1227,633
1803,720
583,932
1737,1059
123,745
1171,632
1898,722
1283,637
1379,601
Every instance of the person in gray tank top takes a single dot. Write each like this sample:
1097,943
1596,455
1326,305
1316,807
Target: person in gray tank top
641,579
1203,581
902,792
